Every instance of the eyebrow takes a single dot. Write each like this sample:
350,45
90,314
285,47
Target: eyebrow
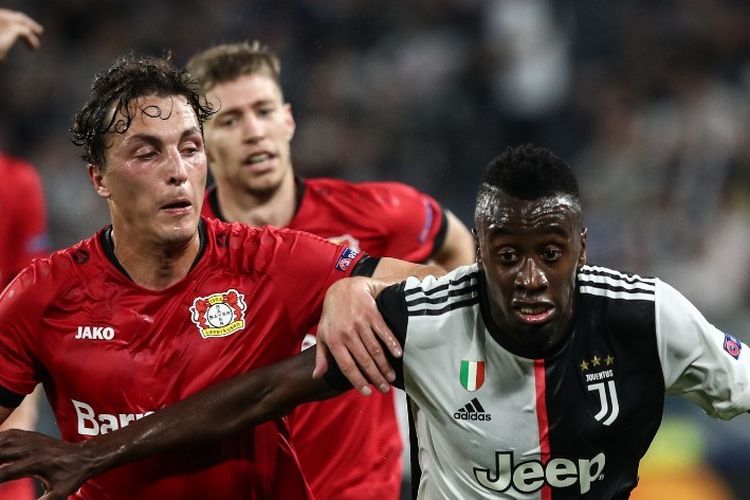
155,141
501,230
238,109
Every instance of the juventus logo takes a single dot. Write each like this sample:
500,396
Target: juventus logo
610,406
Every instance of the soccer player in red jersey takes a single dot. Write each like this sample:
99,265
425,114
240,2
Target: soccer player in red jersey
163,303
248,147
23,236
23,224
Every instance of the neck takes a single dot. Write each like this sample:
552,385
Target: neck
275,208
155,266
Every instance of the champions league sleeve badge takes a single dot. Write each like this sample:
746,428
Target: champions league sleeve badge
345,259
732,345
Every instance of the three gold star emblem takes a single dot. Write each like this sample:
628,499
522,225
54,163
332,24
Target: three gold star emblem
596,361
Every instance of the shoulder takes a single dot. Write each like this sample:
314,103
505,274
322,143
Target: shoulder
379,193
247,247
436,295
46,278
237,234
623,305
615,285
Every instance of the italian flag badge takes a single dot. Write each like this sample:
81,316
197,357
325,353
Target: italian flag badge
472,374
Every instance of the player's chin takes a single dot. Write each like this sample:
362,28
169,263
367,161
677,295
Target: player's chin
179,229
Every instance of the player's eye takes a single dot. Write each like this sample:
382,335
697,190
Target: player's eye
507,256
227,121
551,254
146,155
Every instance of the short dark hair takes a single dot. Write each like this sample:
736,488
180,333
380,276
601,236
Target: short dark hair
528,172
130,77
227,62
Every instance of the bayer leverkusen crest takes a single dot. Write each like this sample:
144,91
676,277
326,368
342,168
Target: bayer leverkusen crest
220,314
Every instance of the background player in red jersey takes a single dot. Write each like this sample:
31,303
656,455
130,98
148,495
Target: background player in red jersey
248,147
162,302
23,223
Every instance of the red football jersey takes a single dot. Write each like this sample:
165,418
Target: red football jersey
110,351
350,446
23,223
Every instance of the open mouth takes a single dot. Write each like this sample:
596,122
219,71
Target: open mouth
257,158
177,205
535,313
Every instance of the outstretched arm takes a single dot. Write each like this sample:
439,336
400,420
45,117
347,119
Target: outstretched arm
17,25
217,412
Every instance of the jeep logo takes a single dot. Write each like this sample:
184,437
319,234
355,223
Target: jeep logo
530,476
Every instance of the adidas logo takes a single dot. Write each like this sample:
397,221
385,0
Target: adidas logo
473,410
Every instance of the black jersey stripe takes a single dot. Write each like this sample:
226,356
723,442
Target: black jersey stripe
617,285
615,275
617,288
431,291
443,298
435,304
450,307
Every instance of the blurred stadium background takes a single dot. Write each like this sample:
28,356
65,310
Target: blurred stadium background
648,100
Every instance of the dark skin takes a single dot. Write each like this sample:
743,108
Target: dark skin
530,252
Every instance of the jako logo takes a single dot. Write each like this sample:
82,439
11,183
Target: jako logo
530,476
91,424
95,332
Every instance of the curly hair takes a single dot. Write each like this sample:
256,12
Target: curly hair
528,172
227,62
113,90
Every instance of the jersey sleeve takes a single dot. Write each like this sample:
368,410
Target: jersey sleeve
20,308
392,306
303,267
30,225
706,365
416,224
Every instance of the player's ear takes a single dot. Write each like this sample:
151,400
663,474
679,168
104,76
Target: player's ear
477,255
289,120
99,180
582,255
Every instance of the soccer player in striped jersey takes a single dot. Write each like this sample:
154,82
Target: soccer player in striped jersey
532,374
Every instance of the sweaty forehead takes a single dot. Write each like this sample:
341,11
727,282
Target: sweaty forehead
153,114
498,210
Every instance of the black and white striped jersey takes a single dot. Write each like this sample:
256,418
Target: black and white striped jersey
492,423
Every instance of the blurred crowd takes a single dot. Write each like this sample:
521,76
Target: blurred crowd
647,100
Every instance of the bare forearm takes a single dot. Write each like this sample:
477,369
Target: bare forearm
217,412
391,271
